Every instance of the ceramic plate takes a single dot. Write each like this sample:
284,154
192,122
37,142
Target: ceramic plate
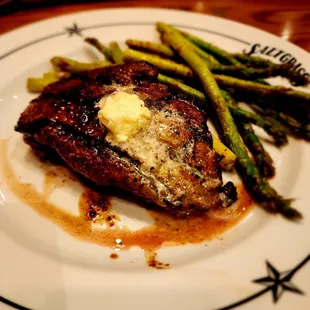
44,267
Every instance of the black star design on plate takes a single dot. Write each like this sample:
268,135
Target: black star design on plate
74,30
279,282
276,282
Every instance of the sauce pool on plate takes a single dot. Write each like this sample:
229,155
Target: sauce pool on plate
95,208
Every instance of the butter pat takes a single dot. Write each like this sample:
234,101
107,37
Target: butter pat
123,114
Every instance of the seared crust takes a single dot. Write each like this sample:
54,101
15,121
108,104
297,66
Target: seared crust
184,174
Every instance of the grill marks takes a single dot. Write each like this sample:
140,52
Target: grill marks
64,118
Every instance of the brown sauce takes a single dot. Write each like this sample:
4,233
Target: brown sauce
152,260
114,256
94,207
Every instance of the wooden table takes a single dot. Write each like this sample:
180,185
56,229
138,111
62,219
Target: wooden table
289,19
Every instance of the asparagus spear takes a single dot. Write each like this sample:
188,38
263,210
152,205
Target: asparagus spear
286,71
277,133
259,186
265,90
116,53
286,99
207,57
258,62
253,61
100,47
156,48
36,85
72,66
179,85
167,64
207,47
253,74
162,63
219,53
262,158
261,81
294,127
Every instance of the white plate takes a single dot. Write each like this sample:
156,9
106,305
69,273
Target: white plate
42,267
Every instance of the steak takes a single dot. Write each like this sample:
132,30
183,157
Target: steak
170,163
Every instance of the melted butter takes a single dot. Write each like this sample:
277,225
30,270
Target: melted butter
123,114
166,230
148,146
152,147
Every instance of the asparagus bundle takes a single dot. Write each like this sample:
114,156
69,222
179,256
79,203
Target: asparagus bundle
238,60
258,185
169,65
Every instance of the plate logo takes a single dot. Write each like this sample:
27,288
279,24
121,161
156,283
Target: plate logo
276,53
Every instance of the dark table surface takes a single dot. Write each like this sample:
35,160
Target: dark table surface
287,18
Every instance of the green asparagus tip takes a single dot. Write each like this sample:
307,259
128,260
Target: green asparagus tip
287,211
283,206
90,40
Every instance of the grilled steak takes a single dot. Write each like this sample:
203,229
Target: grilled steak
170,163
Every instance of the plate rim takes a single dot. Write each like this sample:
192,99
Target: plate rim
35,24
223,19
